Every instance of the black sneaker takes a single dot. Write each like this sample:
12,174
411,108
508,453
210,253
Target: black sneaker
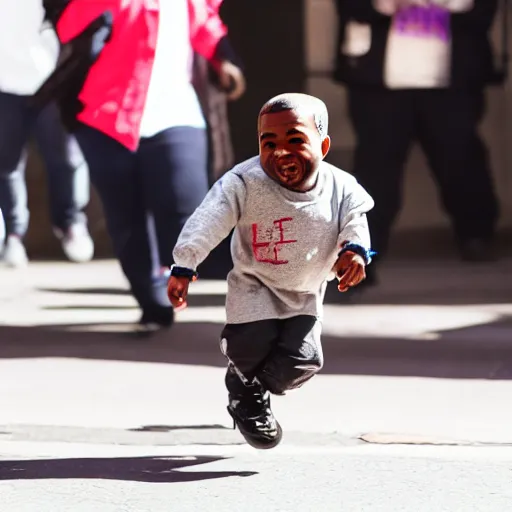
255,420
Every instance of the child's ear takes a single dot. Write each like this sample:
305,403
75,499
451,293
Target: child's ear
326,146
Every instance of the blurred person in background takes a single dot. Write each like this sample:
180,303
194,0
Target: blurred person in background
417,70
2,226
29,51
139,123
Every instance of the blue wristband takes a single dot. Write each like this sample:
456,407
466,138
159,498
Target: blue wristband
366,254
190,274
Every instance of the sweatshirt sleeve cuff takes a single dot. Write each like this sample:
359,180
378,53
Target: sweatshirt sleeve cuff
186,272
366,254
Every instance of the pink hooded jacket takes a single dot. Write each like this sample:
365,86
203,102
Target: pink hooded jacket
116,86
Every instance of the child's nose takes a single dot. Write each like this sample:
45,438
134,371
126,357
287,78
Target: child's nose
281,152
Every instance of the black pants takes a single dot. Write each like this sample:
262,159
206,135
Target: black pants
147,196
280,354
445,124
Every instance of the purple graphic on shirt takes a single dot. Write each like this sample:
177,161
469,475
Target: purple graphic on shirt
423,22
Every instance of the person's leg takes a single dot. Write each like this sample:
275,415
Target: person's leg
448,133
2,229
114,174
383,123
173,168
68,184
15,124
247,346
296,358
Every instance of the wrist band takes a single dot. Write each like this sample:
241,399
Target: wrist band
366,254
190,274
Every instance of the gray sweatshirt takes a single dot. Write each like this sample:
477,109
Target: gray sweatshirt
285,243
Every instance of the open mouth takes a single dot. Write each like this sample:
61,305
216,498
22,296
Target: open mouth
288,172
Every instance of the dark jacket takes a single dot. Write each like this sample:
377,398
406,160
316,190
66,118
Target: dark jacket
77,57
472,64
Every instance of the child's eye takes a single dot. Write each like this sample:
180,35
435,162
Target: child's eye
269,145
296,140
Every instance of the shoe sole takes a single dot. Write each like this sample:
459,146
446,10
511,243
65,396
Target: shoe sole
258,444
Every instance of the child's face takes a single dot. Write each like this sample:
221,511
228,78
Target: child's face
291,149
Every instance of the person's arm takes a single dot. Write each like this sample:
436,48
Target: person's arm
54,9
354,238
209,38
211,222
71,17
83,31
353,222
207,29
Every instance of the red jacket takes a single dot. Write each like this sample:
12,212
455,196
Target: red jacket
116,86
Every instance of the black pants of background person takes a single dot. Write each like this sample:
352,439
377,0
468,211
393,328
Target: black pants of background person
68,184
445,124
147,196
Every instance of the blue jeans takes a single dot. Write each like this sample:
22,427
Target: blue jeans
147,196
68,178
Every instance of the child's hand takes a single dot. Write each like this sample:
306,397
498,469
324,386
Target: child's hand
350,270
177,291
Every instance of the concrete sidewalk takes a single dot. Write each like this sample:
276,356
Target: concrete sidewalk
426,357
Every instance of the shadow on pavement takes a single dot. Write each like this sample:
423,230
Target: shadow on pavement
171,428
478,352
135,469
88,291
397,295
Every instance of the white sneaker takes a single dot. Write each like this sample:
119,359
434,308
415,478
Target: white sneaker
14,253
76,243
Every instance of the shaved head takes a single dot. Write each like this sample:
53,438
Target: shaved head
301,104
293,140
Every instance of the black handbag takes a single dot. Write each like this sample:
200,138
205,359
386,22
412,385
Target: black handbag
64,85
